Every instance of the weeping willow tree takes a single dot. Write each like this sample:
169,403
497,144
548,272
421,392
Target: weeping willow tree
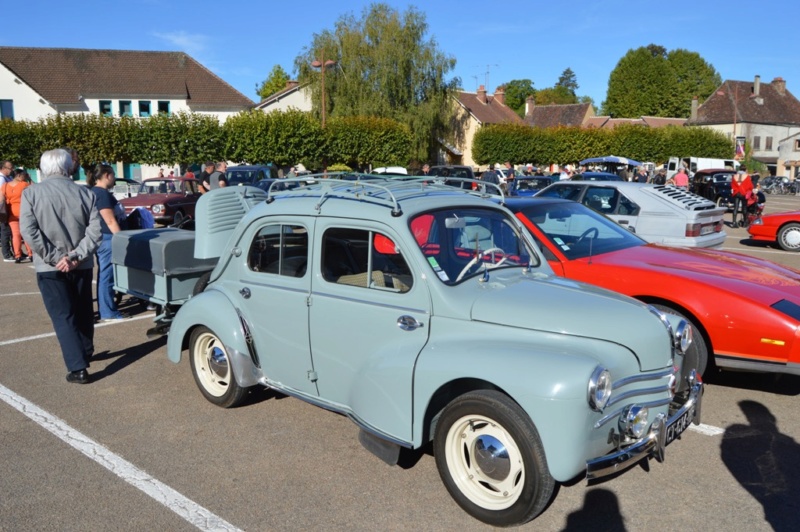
383,64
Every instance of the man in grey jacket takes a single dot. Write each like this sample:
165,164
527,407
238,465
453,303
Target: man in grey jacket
60,223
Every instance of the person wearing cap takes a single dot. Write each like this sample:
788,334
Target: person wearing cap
661,177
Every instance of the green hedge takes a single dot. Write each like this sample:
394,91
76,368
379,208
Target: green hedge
563,145
282,138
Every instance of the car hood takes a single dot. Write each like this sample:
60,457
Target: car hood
577,309
758,279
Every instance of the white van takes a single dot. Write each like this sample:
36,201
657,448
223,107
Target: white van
693,164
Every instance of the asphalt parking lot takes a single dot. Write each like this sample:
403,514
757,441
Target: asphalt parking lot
140,449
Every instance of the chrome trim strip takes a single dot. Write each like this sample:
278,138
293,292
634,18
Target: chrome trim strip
275,286
633,393
643,377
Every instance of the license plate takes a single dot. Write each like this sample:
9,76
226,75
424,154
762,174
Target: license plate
676,428
706,229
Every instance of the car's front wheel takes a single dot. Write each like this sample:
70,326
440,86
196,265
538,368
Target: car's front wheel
211,367
177,218
491,459
789,237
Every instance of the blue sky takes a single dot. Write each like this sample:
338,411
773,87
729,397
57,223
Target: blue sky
493,42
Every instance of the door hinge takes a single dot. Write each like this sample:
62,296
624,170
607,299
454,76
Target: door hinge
312,376
308,301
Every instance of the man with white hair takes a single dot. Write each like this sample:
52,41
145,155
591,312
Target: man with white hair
60,223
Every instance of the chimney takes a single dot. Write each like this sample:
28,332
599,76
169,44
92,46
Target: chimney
500,95
290,84
482,94
780,85
693,115
530,103
757,86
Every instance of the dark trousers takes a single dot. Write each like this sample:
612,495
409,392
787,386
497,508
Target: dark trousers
740,207
5,240
68,300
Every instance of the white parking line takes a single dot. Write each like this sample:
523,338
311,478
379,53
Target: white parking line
160,492
708,430
20,294
96,325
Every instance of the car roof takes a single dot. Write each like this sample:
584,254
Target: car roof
249,166
675,195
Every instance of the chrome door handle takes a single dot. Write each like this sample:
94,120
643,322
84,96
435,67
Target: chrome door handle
408,323
245,292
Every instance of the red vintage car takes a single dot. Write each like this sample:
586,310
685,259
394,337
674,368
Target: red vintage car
744,311
170,199
781,227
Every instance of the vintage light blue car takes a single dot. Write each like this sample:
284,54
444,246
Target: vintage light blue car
425,313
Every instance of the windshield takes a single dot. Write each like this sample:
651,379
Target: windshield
236,177
463,242
159,186
578,231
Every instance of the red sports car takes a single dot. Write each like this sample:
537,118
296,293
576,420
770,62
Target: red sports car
781,227
745,312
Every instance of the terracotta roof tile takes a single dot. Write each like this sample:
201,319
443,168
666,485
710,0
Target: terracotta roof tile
570,115
737,98
492,112
63,75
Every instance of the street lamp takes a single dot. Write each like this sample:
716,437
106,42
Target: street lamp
323,65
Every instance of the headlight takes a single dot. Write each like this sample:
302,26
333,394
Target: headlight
599,388
683,337
633,421
157,209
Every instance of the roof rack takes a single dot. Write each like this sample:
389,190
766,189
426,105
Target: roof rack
378,189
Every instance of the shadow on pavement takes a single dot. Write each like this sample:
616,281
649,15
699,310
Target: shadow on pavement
766,463
600,512
125,357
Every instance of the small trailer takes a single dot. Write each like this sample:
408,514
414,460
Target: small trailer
167,266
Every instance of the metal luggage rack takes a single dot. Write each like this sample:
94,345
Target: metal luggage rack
690,201
370,187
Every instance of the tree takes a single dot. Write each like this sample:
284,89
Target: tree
558,95
568,80
275,82
664,83
385,67
517,91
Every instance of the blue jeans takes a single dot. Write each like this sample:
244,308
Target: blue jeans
68,300
105,281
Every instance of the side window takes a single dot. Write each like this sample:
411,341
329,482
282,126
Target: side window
280,249
627,207
601,199
365,259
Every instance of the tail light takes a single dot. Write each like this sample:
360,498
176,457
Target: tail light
693,230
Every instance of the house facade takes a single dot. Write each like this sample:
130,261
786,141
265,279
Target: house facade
473,110
763,113
294,96
40,82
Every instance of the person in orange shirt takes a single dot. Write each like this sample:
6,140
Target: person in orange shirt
741,190
13,194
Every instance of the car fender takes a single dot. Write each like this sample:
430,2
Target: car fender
225,322
549,381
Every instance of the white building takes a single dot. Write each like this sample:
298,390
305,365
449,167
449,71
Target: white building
39,82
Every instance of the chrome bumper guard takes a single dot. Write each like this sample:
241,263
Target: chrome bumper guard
652,444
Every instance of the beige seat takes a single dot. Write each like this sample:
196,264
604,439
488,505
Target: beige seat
360,279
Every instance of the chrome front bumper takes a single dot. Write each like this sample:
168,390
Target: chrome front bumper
653,443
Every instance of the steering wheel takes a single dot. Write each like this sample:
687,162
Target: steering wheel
478,257
587,233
